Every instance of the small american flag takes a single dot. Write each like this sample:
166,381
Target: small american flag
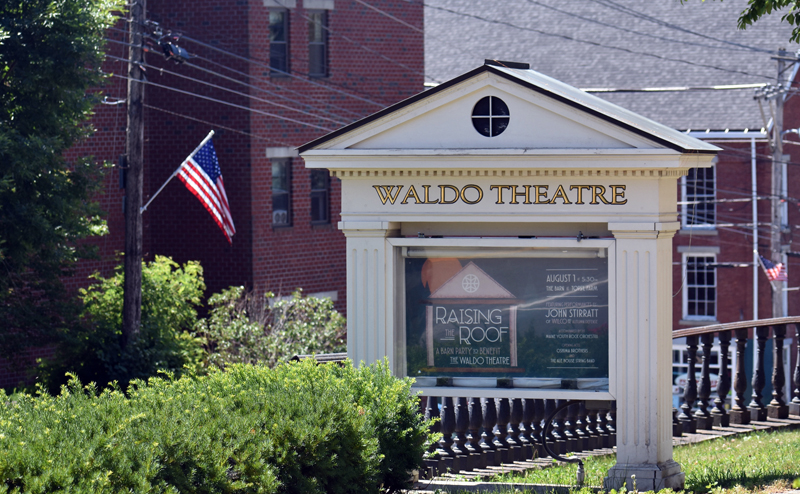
774,272
202,176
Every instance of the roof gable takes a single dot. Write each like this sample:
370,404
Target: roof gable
545,114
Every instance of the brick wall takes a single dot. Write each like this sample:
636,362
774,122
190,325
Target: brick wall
374,61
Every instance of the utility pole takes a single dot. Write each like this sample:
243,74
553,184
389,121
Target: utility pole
776,253
132,303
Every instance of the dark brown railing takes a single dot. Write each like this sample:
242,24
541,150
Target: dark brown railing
689,419
481,432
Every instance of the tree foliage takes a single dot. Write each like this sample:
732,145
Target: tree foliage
93,351
756,9
50,55
244,328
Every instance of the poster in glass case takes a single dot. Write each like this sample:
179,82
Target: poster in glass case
530,321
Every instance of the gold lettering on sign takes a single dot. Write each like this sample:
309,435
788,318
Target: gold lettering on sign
519,194
500,192
580,188
443,194
464,195
617,194
385,192
427,195
412,192
560,193
516,193
598,191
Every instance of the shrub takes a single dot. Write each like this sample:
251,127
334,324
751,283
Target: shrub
243,328
94,351
297,428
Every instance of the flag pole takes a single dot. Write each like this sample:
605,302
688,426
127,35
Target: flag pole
202,143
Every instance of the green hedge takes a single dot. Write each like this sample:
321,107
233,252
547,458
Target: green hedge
299,427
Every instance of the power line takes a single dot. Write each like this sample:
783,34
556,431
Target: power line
639,33
218,126
610,4
364,47
595,43
311,107
222,88
207,98
262,64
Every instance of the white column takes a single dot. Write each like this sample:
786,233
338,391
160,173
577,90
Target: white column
370,311
644,358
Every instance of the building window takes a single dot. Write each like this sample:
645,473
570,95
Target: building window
318,43
490,116
279,41
700,287
281,192
320,193
699,194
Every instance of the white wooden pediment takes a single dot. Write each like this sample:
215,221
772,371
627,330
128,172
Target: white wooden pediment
444,121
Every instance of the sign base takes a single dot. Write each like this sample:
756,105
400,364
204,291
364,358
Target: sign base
645,477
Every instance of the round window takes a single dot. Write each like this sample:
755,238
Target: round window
490,116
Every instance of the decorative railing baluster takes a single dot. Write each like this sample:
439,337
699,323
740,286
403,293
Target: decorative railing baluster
777,408
514,441
536,423
501,433
719,414
690,393
595,441
757,409
555,442
739,412
602,428
474,443
611,425
580,426
794,407
677,427
487,437
460,434
445,449
526,429
559,428
570,431
703,416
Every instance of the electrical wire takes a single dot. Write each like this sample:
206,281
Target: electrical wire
639,33
288,74
596,44
364,47
270,83
237,93
627,10
218,126
226,103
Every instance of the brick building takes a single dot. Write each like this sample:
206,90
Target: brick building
266,76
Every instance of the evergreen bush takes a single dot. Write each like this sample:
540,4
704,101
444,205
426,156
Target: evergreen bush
297,428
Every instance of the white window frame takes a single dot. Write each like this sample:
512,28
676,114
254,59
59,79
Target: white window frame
686,209
685,290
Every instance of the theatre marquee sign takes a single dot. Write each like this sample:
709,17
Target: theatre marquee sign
502,194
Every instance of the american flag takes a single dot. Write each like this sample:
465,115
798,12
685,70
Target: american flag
774,272
202,176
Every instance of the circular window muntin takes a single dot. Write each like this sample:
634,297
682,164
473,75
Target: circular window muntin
490,116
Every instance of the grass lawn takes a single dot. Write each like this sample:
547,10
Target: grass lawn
756,462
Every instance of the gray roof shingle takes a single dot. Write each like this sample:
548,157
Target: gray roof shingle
624,44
